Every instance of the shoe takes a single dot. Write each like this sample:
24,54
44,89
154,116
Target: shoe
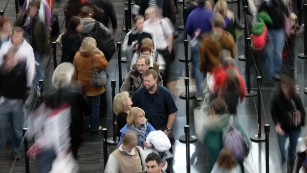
16,156
276,77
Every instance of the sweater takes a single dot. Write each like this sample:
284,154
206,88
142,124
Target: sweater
210,47
199,18
84,64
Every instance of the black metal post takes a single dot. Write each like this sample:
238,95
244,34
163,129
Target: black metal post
1,13
17,8
259,137
185,10
193,138
299,9
248,57
126,20
105,151
187,134
55,63
113,140
304,55
26,147
267,145
243,57
129,14
239,10
119,54
186,61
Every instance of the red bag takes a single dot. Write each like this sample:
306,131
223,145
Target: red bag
259,41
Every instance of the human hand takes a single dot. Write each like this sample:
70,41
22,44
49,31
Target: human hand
147,145
279,130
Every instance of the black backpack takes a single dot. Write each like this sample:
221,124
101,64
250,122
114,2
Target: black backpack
104,39
13,85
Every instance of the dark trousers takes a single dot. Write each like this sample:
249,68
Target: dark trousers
167,58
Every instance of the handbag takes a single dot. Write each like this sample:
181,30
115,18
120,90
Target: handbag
99,78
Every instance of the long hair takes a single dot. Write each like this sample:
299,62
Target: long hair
133,115
88,46
120,102
287,81
72,25
232,82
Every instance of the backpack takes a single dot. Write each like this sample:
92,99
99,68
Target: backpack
234,140
13,84
104,39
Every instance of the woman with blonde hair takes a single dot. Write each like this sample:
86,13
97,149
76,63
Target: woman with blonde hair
137,123
121,106
89,57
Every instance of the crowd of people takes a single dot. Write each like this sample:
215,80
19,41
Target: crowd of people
145,109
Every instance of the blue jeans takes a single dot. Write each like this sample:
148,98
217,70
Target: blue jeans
199,76
293,137
44,160
12,121
94,102
40,68
273,52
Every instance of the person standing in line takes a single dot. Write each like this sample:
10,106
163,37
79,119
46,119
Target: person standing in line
86,59
154,163
288,114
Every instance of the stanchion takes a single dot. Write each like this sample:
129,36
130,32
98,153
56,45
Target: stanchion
246,35
185,11
129,14
187,134
54,55
26,147
16,8
304,55
119,57
191,95
1,13
105,151
184,138
299,9
249,93
181,27
126,21
258,137
267,131
113,141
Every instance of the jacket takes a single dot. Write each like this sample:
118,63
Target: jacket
209,49
280,107
83,64
70,46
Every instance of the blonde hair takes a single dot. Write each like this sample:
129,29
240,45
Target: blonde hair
221,7
129,139
217,20
119,102
88,46
147,42
133,115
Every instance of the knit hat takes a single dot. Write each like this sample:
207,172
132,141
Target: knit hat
62,75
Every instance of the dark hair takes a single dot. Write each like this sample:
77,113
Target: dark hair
219,106
153,157
151,72
232,79
288,81
72,25
226,159
85,11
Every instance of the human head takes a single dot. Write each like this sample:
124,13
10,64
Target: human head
218,106
232,81
138,23
17,36
121,103
88,46
151,13
150,80
75,24
129,140
136,116
86,11
217,21
62,75
154,163
228,61
221,7
142,64
33,9
5,24
147,42
286,87
293,18
226,159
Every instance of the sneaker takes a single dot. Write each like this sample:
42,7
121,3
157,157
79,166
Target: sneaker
276,77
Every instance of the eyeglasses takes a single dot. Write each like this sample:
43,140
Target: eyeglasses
140,65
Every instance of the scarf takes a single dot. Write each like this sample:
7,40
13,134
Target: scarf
140,130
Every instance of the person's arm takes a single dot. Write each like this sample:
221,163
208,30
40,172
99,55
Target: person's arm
30,66
112,165
170,121
127,83
101,61
301,108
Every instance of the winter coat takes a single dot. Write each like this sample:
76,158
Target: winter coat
70,46
84,63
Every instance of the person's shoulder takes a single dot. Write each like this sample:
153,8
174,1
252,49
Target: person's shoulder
163,90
